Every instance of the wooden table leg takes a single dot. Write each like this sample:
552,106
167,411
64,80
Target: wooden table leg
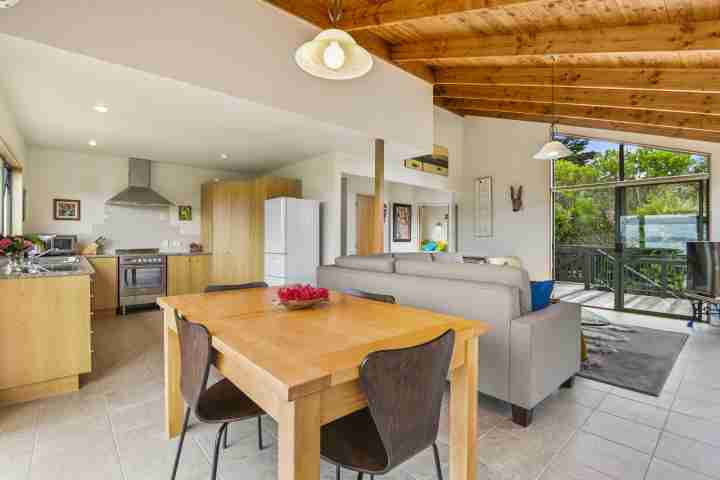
463,415
299,439
174,403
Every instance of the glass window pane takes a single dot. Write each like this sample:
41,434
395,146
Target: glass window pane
649,162
665,216
593,161
585,217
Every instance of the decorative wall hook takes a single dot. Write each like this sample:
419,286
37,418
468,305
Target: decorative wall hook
516,198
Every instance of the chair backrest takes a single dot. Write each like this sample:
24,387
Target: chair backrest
404,389
195,358
237,286
378,297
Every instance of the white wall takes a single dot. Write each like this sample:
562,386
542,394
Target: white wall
93,179
241,48
9,132
503,149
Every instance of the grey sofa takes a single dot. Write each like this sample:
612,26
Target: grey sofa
525,357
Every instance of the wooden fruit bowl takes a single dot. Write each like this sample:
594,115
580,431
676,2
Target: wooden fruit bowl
301,304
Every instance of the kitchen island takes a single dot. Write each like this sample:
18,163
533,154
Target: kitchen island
45,330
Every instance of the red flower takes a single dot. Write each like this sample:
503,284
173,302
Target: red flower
302,293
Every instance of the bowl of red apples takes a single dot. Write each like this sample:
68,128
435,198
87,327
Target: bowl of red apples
296,297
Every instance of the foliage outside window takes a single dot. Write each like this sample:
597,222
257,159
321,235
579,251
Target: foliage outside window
653,215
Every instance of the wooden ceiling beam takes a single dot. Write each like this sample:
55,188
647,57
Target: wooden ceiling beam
316,13
375,14
675,132
627,39
697,102
679,79
665,118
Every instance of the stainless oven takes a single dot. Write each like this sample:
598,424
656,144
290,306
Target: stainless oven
142,279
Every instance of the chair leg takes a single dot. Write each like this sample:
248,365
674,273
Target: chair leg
437,461
360,476
260,442
216,454
225,435
180,445
337,472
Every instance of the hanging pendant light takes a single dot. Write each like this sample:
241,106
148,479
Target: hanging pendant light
553,149
334,54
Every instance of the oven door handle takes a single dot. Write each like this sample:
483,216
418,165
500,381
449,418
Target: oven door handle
125,272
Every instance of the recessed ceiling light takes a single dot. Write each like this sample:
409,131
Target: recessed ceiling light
101,108
224,156
92,143
8,3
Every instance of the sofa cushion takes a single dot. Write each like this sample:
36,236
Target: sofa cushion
510,276
414,256
446,257
370,263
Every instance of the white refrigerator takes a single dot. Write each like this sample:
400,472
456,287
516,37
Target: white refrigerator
292,241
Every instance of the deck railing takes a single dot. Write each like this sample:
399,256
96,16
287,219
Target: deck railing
656,272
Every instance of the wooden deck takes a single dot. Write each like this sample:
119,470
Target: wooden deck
576,293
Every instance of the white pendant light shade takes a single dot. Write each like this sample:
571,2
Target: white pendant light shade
552,151
334,55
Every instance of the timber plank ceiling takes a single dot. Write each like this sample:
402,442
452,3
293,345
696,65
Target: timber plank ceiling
648,66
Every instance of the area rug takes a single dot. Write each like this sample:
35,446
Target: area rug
641,363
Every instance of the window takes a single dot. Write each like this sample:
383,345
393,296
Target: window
5,198
623,215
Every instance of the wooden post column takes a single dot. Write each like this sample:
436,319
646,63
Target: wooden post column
378,225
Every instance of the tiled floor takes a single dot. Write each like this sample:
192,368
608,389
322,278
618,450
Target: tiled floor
112,428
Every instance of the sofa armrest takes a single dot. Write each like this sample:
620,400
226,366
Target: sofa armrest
544,352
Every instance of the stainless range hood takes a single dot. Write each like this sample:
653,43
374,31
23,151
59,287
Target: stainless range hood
139,193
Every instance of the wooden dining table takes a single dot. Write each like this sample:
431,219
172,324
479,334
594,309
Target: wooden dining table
302,366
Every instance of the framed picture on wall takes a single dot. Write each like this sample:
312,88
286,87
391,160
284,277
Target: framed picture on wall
483,207
64,209
402,222
185,213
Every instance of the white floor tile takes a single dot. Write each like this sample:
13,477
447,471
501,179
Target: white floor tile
661,470
625,432
695,428
691,454
665,400
607,457
636,411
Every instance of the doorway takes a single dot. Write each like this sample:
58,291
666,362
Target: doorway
434,223
364,214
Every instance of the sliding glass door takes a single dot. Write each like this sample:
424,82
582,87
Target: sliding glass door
622,217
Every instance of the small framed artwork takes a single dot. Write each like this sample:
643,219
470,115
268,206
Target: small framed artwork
64,209
483,207
185,213
402,222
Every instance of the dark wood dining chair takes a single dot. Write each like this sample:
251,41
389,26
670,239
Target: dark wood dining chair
222,403
404,390
378,297
235,286
226,288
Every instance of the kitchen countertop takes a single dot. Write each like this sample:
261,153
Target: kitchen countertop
85,269
166,254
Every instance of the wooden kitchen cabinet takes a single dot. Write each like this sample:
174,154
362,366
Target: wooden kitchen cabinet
187,274
44,336
233,219
105,290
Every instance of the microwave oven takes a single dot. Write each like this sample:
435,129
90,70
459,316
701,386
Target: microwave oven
58,244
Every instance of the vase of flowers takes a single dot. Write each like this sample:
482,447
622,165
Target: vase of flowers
14,249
